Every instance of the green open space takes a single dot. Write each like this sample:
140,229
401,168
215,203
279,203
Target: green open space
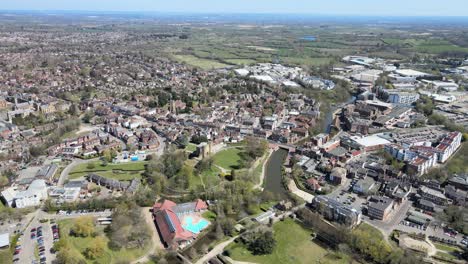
205,64
447,248
6,256
191,147
109,256
228,159
207,178
121,171
375,233
446,256
457,163
293,245
241,61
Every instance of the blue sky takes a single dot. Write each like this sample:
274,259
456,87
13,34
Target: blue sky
332,7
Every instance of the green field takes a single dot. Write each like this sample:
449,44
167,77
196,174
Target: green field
110,256
123,171
294,245
5,256
241,61
433,46
205,64
191,147
371,230
447,248
207,178
228,159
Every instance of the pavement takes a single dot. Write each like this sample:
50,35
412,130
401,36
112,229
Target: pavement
304,195
218,249
262,175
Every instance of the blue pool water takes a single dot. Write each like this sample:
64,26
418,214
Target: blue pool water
195,228
134,158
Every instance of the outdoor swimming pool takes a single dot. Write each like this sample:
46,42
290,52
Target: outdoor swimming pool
195,227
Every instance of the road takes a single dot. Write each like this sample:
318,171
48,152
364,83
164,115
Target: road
64,174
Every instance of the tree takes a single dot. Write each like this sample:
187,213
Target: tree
91,166
73,110
255,148
204,164
106,154
263,243
96,248
3,180
83,226
128,228
69,256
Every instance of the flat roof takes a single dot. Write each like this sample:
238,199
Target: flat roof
370,141
4,240
410,72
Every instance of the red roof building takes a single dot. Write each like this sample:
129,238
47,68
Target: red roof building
166,216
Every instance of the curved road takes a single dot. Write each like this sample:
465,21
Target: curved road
64,174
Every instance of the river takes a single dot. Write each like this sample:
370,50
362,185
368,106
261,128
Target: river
273,177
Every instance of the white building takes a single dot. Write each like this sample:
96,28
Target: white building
402,98
411,73
8,195
36,192
446,86
448,146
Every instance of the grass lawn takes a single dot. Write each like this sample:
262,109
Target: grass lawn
241,61
446,256
458,164
228,159
209,215
122,171
5,256
371,230
208,178
447,248
205,64
263,207
109,256
294,245
191,147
